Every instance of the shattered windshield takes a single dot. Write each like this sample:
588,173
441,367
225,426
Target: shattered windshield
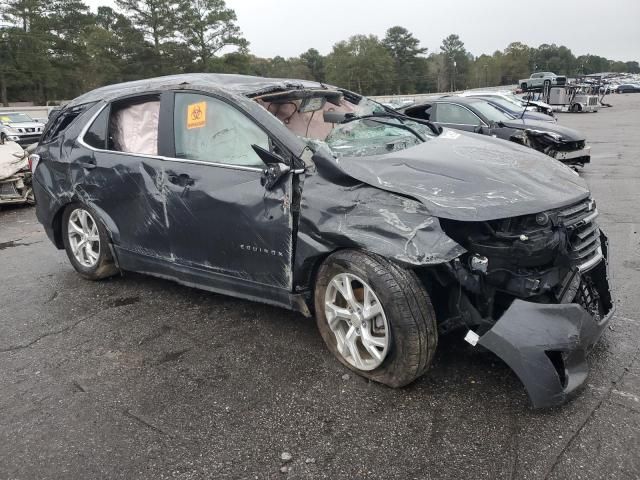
380,131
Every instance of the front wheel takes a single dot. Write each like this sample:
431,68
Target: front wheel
87,243
375,317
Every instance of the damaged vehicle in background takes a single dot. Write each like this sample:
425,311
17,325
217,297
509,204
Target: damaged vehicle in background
480,116
15,175
391,231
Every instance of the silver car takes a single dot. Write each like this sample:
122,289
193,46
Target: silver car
20,128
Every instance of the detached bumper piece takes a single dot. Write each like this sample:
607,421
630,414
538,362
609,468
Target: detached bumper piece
546,345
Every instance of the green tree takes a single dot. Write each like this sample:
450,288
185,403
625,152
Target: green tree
362,63
405,50
456,61
207,26
156,19
315,63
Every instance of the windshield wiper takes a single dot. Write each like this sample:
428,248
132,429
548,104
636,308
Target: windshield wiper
342,118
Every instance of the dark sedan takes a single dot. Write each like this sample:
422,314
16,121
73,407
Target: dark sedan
480,116
628,88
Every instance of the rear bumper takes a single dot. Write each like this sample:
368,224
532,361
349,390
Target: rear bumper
546,345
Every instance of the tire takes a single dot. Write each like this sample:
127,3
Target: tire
407,312
523,86
3,138
99,264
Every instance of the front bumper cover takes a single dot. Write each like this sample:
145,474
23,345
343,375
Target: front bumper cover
528,332
546,345
580,156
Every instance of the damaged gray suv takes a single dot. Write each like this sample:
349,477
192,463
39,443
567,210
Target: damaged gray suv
390,230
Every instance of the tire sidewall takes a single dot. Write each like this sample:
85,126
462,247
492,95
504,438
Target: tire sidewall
105,259
365,272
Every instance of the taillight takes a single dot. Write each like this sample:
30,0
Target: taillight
33,161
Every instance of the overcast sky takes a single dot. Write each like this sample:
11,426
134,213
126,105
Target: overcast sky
290,27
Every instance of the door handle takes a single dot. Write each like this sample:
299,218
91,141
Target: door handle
182,180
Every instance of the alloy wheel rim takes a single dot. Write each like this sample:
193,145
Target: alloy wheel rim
356,318
84,238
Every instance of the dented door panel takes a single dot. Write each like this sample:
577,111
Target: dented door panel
130,193
224,221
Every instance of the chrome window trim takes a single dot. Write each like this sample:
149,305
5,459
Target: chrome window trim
482,122
85,129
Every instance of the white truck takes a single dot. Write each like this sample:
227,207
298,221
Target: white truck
542,80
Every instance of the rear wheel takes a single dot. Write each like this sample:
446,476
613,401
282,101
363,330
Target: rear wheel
87,243
375,317
523,86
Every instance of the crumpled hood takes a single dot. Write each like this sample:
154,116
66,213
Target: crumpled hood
568,134
471,177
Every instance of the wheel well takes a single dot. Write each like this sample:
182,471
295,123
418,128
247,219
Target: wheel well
56,225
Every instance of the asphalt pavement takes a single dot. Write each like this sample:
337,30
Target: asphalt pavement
136,377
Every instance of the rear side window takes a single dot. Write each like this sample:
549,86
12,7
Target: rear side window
96,136
60,122
133,125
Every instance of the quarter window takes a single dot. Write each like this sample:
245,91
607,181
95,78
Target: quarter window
450,113
210,130
96,136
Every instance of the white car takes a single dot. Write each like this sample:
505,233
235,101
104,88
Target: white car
520,102
20,128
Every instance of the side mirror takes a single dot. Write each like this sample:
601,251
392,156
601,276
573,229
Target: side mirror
478,129
276,167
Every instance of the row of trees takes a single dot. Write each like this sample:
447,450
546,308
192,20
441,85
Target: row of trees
56,49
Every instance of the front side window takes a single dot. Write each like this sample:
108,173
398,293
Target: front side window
209,130
455,114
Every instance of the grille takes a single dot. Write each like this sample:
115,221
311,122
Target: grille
587,296
8,189
593,101
583,233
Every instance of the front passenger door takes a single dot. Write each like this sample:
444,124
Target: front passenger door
223,222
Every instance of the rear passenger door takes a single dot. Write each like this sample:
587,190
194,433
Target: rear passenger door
120,174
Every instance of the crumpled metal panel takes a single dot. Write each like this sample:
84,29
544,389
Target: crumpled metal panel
527,330
461,177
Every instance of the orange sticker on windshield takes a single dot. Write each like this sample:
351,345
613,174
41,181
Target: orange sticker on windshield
197,115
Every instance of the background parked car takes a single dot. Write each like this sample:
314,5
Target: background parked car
480,116
20,128
542,79
518,102
516,111
628,88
